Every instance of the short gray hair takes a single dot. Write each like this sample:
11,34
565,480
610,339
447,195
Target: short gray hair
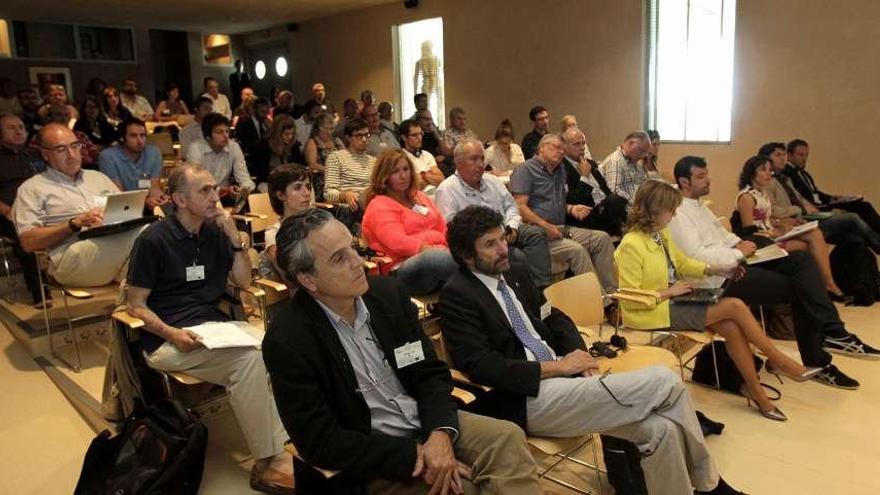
571,133
547,138
640,135
178,181
293,254
459,148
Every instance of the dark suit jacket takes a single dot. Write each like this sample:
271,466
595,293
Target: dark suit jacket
579,192
805,187
315,386
247,136
609,215
483,345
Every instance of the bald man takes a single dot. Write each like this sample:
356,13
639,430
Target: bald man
52,207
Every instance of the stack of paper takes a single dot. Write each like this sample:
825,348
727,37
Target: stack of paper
798,230
218,335
766,253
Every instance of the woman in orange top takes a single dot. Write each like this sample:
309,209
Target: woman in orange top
402,222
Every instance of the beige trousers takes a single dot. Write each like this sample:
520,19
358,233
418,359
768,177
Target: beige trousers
242,372
94,262
586,251
497,452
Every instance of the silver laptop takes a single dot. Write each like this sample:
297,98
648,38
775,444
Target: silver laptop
124,206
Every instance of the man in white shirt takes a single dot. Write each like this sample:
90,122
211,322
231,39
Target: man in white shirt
794,279
221,156
423,161
138,105
221,102
192,132
470,185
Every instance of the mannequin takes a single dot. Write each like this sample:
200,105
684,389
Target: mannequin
429,68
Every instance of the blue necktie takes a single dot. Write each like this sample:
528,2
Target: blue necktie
541,352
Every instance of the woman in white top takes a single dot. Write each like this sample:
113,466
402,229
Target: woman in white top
754,208
503,155
290,192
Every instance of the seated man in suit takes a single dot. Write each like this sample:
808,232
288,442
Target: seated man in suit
359,387
250,131
178,271
586,186
794,279
789,205
798,151
502,333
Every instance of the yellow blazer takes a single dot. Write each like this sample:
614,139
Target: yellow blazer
641,264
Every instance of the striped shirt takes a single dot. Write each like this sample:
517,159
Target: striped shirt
622,175
346,171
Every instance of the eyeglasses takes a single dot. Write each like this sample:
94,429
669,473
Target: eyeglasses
75,147
362,135
602,382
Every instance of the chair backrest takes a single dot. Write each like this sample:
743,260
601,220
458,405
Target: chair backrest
259,204
163,141
579,297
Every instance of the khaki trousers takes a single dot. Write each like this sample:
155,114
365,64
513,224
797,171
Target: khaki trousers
242,372
497,452
586,251
94,262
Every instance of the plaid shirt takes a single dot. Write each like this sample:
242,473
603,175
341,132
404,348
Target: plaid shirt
623,176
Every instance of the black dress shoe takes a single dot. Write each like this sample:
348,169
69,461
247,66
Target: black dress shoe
722,489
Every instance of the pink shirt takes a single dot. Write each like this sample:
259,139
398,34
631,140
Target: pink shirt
398,231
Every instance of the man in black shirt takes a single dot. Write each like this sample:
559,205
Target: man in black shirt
17,164
541,118
177,273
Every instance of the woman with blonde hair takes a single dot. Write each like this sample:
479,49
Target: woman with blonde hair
402,222
647,258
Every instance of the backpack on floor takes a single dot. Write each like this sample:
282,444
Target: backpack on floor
854,268
159,450
623,462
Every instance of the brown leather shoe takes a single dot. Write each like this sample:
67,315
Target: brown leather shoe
272,481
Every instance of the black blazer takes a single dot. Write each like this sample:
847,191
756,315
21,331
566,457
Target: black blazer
247,136
316,390
805,187
579,192
483,345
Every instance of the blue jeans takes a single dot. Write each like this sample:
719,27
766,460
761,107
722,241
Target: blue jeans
427,271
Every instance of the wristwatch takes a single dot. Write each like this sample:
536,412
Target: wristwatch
73,226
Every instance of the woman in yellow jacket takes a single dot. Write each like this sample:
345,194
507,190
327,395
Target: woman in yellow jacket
648,259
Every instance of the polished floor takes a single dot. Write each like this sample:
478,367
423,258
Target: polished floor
829,445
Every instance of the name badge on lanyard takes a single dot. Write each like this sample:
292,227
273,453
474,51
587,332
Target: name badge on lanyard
195,272
421,210
144,183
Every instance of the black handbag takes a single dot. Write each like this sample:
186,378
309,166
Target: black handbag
728,375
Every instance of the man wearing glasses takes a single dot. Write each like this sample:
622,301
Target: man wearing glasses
53,206
380,138
347,173
423,161
501,332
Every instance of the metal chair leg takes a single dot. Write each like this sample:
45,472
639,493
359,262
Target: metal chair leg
10,281
72,332
43,288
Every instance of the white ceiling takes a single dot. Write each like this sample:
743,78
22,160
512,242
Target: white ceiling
207,16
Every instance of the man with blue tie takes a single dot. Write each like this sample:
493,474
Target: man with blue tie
501,332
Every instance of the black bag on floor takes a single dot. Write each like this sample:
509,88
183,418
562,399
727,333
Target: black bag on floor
623,462
854,268
160,450
728,375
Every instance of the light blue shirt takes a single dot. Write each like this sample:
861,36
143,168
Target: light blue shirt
117,165
454,195
392,411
